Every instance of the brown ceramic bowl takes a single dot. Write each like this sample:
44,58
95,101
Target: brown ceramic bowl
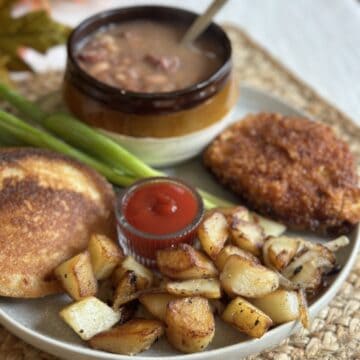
163,115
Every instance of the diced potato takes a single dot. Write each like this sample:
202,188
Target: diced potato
213,233
190,324
324,257
279,251
338,243
144,276
308,276
156,303
184,262
247,236
135,336
89,316
126,290
117,275
244,277
270,227
105,255
209,288
306,268
281,305
246,318
77,277
319,255
238,212
229,250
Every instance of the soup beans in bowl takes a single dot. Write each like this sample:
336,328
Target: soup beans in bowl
129,75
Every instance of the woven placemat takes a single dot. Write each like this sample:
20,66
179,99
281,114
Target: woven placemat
334,333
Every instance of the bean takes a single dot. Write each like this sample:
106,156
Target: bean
156,79
99,67
127,60
120,76
133,73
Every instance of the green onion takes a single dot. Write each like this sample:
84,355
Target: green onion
213,200
78,134
7,139
94,142
36,137
19,102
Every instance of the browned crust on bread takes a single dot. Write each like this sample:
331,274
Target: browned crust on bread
292,169
49,206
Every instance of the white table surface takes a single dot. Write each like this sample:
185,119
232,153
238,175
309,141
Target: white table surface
319,40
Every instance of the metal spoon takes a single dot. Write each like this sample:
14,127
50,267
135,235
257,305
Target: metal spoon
202,22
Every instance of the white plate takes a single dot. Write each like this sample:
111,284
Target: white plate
37,321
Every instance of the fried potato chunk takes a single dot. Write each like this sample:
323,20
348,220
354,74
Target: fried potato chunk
135,336
144,276
246,318
208,288
105,255
229,250
77,277
247,278
281,305
238,212
247,236
126,290
270,227
89,317
190,324
279,251
184,262
156,303
213,233
308,276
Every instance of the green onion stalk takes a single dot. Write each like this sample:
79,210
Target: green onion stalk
88,139
11,126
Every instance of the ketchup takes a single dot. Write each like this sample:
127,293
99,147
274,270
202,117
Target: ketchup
161,208
156,213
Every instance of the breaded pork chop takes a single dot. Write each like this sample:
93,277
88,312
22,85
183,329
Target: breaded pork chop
49,206
291,169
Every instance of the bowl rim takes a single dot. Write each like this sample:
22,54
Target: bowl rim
221,73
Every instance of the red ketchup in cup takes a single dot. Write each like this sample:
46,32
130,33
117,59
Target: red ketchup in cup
156,213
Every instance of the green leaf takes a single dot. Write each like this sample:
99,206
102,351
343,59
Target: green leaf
35,30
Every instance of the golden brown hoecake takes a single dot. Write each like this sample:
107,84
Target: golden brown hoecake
49,206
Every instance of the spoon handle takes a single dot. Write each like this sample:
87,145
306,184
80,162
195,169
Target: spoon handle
202,21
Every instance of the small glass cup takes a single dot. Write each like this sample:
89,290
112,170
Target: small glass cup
142,245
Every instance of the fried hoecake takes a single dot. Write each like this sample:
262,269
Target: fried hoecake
292,169
49,206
